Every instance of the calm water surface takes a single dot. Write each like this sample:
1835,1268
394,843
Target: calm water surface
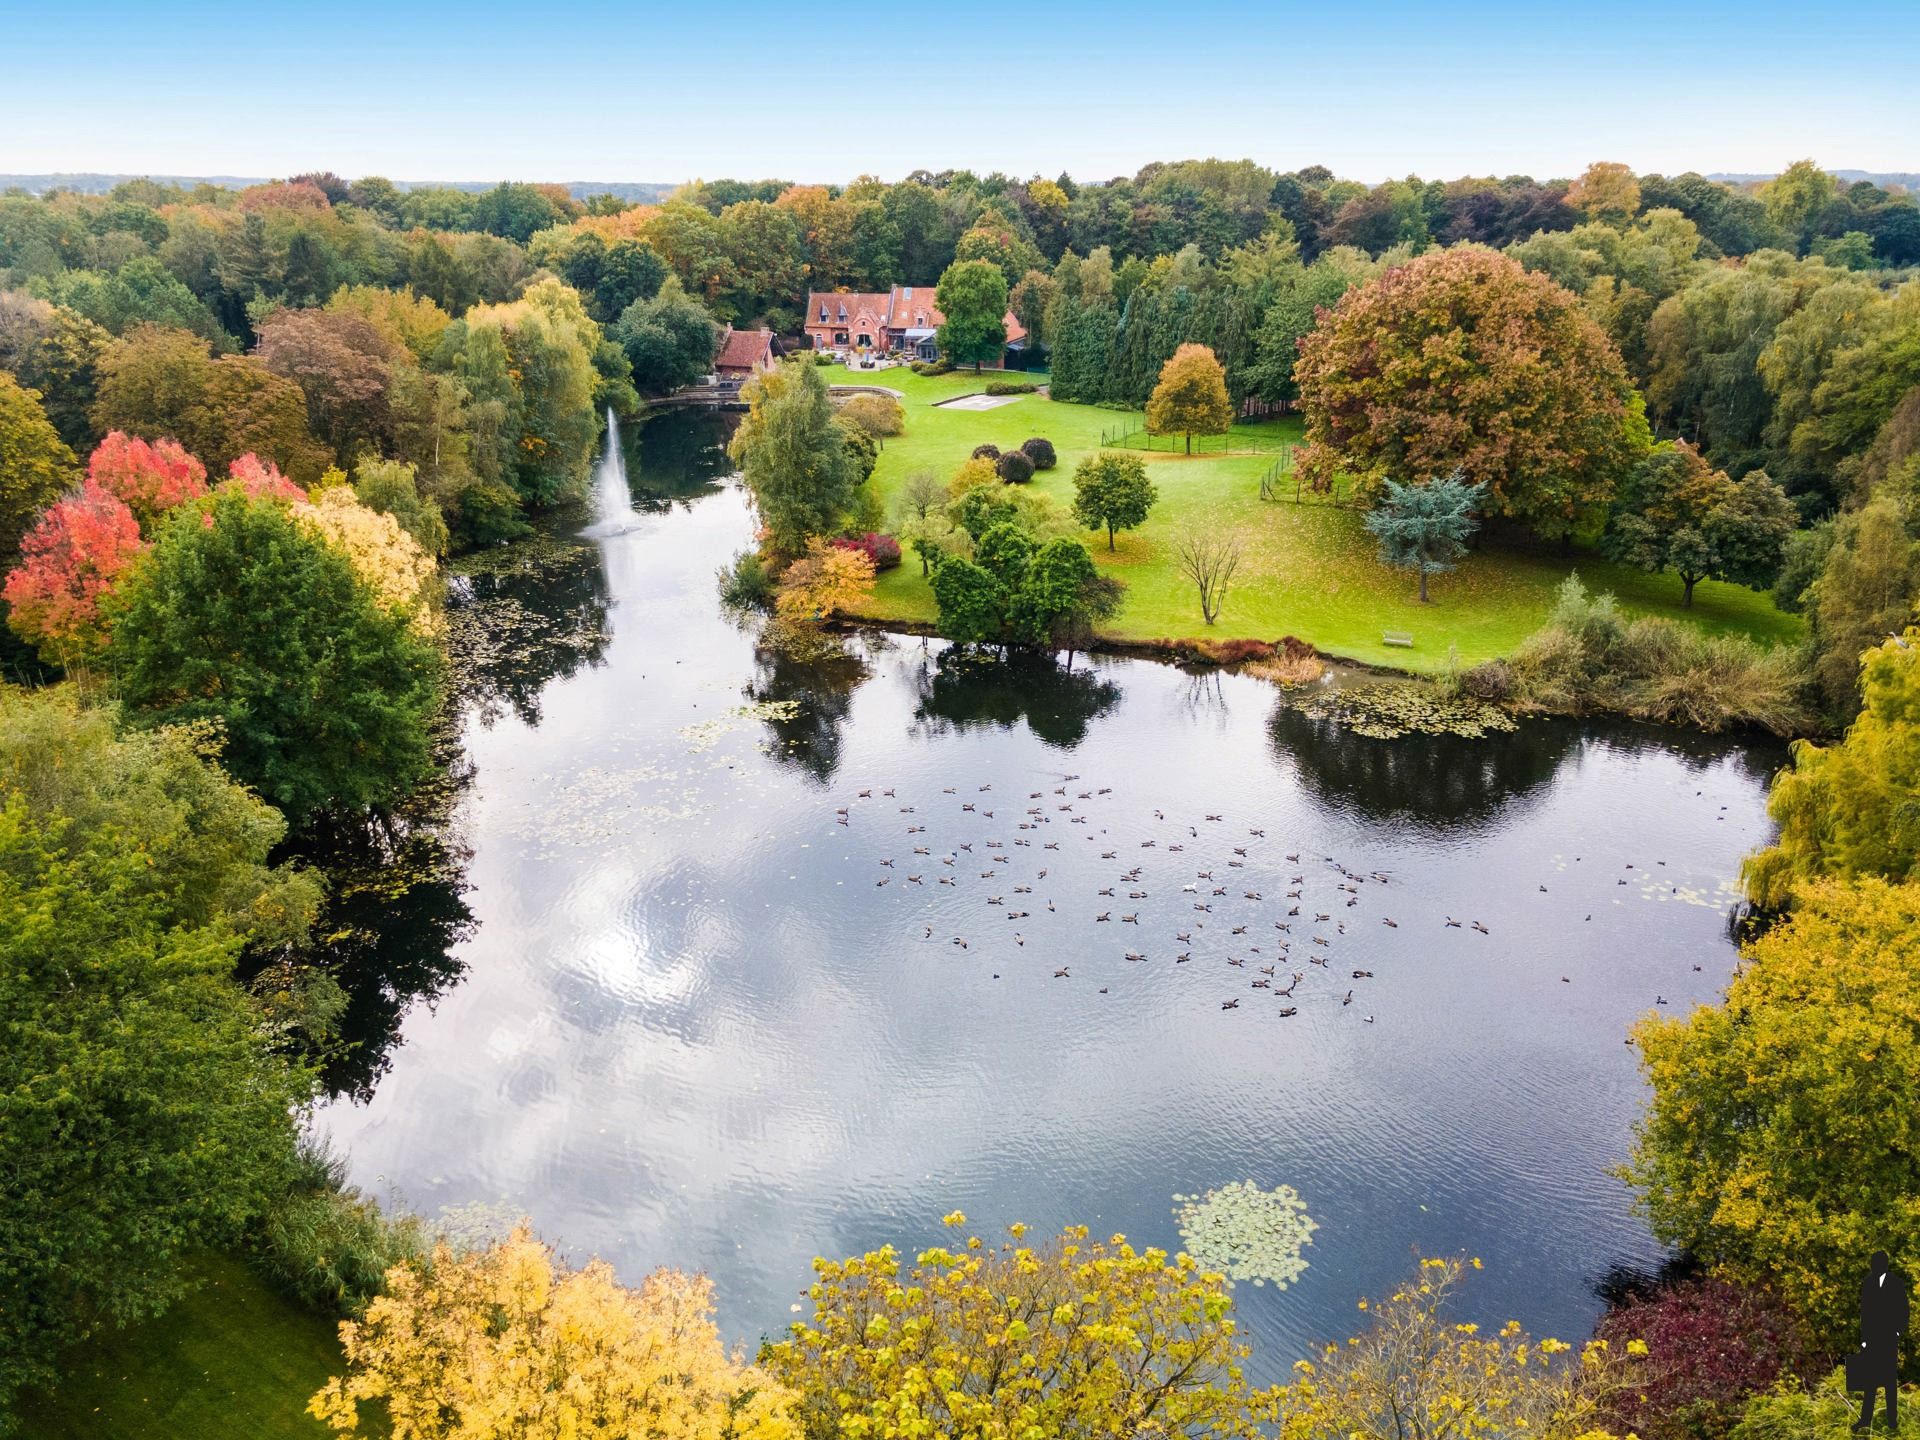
693,1018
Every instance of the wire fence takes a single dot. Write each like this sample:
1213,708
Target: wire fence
1280,481
1231,443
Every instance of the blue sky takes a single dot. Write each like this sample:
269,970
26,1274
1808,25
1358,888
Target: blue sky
570,91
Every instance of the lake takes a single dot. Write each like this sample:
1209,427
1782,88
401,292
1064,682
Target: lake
685,982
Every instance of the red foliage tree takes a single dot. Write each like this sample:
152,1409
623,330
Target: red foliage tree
1710,1345
149,478
261,480
69,562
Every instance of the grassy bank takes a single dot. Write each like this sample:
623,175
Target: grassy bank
232,1359
1308,570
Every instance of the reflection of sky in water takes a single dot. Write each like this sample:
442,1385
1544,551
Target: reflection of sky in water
694,1030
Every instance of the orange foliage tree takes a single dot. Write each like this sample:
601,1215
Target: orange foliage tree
151,478
69,562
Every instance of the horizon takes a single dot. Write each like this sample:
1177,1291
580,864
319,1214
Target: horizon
1498,90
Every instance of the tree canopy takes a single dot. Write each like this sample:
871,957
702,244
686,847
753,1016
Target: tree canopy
1191,398
793,456
972,296
1112,490
1676,512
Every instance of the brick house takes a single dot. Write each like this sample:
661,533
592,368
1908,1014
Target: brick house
743,353
898,321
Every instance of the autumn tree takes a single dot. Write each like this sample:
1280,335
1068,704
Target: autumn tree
227,608
69,564
1425,527
150,479
1847,809
668,338
1191,398
1811,1058
1462,360
1113,491
828,580
388,560
880,416
510,1342
35,463
1417,1369
972,297
549,341
343,366
1676,512
56,351
1864,592
793,457
1608,192
1071,1337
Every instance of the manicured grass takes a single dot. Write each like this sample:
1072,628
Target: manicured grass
231,1361
1308,570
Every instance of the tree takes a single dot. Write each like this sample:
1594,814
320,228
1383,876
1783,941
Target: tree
918,517
972,297
550,343
879,415
1608,192
57,352
1463,360
1425,527
1074,1337
389,561
1795,199
228,608
1191,397
150,479
392,487
70,562
1676,512
1865,591
511,1342
792,455
1847,810
144,1114
35,463
1208,557
828,580
669,339
1416,1369
344,368
1062,596
1112,490
1811,1058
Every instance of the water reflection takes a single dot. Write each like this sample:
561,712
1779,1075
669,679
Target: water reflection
961,690
812,680
531,613
677,458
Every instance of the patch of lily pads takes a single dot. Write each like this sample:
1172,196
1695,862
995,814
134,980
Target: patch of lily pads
1247,1233
1389,711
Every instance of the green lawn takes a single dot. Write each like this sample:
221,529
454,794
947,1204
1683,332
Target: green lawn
1308,570
231,1361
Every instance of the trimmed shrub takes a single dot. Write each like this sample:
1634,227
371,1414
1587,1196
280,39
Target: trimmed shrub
1710,1345
882,550
987,451
1014,467
1010,387
931,367
1040,451
822,359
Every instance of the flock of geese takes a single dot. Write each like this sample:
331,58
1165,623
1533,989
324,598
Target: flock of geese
1279,940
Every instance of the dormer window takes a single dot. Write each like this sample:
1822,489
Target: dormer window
823,314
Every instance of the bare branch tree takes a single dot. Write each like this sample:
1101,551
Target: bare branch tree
1208,558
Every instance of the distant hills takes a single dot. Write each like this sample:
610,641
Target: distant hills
643,192
1885,179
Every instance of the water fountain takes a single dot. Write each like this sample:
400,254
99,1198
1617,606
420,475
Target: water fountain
613,511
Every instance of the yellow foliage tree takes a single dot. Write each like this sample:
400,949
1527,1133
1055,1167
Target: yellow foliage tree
1191,398
828,580
509,1343
384,555
1782,1144
971,475
1416,1371
1074,1338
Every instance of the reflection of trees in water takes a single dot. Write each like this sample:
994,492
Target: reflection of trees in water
1435,782
963,690
393,914
676,456
532,613
1440,782
818,675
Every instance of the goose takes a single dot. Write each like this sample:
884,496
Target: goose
1203,874
1286,1010
961,943
1061,974
1135,955
1239,929
1219,889
1294,858
1018,939
948,791
1185,937
915,880
1043,873
1108,790
906,809
1481,928
1452,924
1213,817
1034,795
1366,1019
987,813
1229,1004
946,880
1320,940
1294,910
1108,854
1250,895
1023,889
916,829
887,863
921,850
985,788
1133,919
988,874
966,806
1262,985
1207,908
1363,974
888,792
1543,889
1061,791
1237,963
1103,917
841,811
1267,969
1107,891
1136,894
1390,924
1565,981
1148,844
1319,960
1240,850
1321,919
1085,794
1659,999
995,900
866,794
1183,957
1348,1000
1282,925
882,880
1177,849
1260,833
946,859
1017,914
1050,845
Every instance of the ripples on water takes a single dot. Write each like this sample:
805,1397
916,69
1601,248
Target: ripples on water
692,1029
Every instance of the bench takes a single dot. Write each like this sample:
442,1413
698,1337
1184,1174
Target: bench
1397,637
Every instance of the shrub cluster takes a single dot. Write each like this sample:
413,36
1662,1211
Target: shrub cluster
986,450
931,367
882,550
1015,467
1040,451
1589,657
329,1246
1203,651
746,584
1010,387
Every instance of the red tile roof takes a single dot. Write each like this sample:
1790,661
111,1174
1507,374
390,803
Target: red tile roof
744,349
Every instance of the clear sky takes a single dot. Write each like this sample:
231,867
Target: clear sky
744,88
